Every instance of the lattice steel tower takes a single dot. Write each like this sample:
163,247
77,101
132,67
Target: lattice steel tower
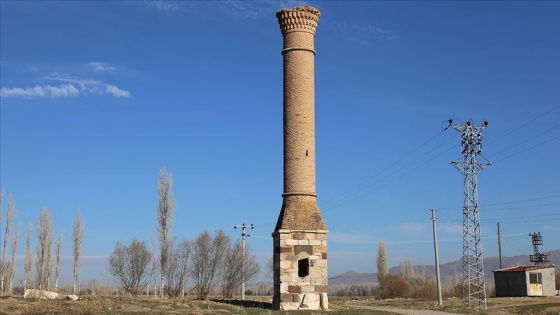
474,292
537,258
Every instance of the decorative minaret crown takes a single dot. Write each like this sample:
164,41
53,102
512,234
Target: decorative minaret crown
303,19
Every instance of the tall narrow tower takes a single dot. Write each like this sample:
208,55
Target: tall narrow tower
300,236
474,291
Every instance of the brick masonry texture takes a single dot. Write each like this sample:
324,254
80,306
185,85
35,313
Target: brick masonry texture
300,235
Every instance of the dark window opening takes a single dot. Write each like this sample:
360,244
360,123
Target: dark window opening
303,267
535,278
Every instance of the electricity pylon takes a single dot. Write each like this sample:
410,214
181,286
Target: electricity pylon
474,292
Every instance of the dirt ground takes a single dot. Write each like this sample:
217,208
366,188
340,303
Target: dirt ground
497,306
152,305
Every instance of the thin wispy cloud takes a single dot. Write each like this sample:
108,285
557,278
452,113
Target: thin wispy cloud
351,256
414,227
255,10
31,68
68,88
551,228
239,9
102,67
344,238
360,33
450,228
164,5
245,9
41,91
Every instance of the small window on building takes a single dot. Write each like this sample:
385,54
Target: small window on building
535,278
303,267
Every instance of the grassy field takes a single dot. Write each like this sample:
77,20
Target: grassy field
151,305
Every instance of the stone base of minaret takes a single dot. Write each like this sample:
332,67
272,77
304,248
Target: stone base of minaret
300,262
300,256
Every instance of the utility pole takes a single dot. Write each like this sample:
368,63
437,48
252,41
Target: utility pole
499,244
243,236
474,291
438,278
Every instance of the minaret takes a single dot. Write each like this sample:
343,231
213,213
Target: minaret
300,236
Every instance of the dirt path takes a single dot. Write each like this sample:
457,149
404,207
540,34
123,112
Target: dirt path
409,312
402,310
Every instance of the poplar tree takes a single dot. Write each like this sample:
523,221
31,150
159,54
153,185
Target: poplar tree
10,217
382,262
57,267
77,237
28,258
166,205
44,249
12,269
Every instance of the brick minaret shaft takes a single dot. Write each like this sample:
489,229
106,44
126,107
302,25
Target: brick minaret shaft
300,245
299,209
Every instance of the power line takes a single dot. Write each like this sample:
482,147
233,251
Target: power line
524,125
524,217
367,187
506,203
389,179
351,191
523,151
526,140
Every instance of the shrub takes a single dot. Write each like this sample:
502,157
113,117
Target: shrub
426,291
394,286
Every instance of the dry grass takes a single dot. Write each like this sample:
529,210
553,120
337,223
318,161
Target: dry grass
152,305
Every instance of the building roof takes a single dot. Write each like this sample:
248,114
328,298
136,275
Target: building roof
523,268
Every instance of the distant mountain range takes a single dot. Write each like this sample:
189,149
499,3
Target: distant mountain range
490,264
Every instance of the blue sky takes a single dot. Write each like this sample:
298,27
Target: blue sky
96,97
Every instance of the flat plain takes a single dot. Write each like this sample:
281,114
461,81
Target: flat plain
99,304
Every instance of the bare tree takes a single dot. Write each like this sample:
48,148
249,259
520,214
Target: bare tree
269,267
165,220
57,267
10,217
407,270
12,268
28,258
77,238
1,205
232,274
452,286
129,266
382,262
176,272
154,264
44,249
208,256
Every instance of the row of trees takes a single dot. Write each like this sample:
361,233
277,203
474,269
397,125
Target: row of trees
208,260
46,257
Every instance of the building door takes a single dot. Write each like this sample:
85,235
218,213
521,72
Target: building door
535,284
